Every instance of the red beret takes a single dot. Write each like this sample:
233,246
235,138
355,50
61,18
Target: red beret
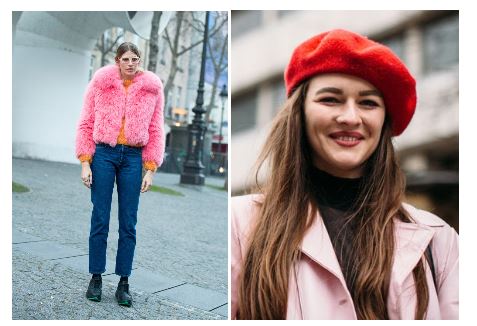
340,51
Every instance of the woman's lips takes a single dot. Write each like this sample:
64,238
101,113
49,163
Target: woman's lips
347,138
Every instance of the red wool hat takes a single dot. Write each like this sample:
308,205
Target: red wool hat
341,51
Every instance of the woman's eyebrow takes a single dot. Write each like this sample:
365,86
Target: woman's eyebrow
371,92
329,90
339,91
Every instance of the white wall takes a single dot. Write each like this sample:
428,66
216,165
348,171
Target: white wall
51,64
48,89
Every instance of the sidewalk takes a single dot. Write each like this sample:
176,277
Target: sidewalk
180,266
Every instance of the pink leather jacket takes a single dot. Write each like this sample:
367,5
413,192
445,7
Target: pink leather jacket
317,289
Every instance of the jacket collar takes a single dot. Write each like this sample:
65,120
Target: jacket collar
317,246
411,241
109,76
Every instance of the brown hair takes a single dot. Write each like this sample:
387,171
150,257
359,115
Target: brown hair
286,214
125,47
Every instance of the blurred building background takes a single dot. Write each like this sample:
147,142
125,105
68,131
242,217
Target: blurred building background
55,55
427,41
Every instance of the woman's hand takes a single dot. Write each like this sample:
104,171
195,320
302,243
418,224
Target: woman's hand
147,181
86,174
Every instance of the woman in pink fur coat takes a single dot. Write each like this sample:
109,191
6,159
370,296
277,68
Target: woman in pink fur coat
120,131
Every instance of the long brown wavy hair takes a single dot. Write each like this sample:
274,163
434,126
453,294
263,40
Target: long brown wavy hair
288,209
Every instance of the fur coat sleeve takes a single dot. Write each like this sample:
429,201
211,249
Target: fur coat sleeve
85,144
154,149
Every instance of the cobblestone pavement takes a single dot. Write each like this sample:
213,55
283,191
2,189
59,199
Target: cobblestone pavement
182,240
48,290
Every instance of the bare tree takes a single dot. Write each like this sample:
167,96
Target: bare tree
154,40
218,57
173,43
173,38
105,45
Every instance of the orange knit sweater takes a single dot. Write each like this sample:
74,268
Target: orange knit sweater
149,165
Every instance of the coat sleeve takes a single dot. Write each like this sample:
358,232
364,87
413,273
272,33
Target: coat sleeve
154,149
447,249
235,260
244,211
85,145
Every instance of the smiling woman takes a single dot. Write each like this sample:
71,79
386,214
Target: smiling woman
328,235
344,116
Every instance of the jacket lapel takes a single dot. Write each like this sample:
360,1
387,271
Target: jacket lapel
317,246
411,240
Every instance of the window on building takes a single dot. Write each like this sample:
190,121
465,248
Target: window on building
91,66
178,96
278,94
441,43
244,21
169,104
244,108
107,38
284,13
396,44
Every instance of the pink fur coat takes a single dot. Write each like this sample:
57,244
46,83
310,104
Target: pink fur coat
106,103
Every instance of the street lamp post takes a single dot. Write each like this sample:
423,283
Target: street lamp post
223,96
193,168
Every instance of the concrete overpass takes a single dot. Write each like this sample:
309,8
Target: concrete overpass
51,62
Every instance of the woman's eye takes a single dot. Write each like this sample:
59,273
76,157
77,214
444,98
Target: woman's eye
370,103
328,100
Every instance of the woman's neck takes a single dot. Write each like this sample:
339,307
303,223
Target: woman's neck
129,78
333,191
340,172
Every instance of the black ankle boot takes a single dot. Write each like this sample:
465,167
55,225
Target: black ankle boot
94,289
122,294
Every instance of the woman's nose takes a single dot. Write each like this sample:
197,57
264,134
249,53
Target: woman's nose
349,114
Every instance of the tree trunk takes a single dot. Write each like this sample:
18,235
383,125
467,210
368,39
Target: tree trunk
101,48
104,48
212,97
174,51
154,41
170,82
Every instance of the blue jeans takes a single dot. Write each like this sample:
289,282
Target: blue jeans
123,164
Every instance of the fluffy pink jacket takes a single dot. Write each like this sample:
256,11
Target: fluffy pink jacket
105,105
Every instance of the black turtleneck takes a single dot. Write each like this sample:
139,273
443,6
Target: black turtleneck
336,197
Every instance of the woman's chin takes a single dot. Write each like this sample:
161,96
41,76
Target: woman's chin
129,74
345,168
